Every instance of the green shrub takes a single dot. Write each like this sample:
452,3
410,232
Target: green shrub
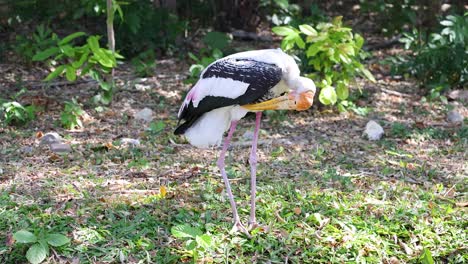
439,61
70,116
330,54
145,27
215,43
15,113
144,64
279,12
391,15
41,39
77,61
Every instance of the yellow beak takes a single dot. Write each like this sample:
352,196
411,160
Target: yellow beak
289,101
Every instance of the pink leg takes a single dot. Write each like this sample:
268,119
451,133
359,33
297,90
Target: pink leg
237,224
253,171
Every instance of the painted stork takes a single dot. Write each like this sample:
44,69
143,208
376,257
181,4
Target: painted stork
228,88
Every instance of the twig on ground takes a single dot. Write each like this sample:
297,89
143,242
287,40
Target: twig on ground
396,93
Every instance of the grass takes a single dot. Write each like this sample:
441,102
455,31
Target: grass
325,193
316,215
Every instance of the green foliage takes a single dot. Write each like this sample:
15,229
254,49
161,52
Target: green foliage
440,62
75,61
41,39
331,55
70,116
426,257
146,27
39,249
144,64
15,113
279,12
215,42
392,15
197,244
156,127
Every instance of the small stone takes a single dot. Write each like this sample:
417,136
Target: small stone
50,138
60,148
142,87
461,95
373,130
454,117
130,142
26,149
248,135
145,114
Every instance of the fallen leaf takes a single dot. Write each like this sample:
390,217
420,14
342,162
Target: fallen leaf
54,157
39,134
162,191
297,210
109,145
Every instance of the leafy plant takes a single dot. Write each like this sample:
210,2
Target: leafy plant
441,61
391,15
279,12
39,244
215,43
331,54
144,63
216,40
15,113
156,127
77,61
41,39
196,244
70,116
201,63
147,27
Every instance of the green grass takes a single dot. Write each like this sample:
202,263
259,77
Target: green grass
337,198
308,219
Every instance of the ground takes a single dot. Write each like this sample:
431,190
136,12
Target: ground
325,192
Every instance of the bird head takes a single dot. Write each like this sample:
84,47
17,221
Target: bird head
302,95
299,98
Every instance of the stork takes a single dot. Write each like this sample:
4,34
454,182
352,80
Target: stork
229,88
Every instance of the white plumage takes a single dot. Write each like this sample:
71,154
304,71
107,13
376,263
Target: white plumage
231,87
209,128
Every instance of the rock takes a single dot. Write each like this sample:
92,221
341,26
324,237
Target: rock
50,138
130,142
373,130
454,117
26,149
60,148
142,87
248,135
145,114
461,95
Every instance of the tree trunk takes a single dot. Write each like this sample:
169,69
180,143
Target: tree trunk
110,33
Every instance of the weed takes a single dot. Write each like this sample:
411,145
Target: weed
197,244
15,113
436,62
71,114
88,59
39,244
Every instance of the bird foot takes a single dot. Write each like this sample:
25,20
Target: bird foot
239,227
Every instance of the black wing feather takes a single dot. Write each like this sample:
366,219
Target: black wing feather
260,76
